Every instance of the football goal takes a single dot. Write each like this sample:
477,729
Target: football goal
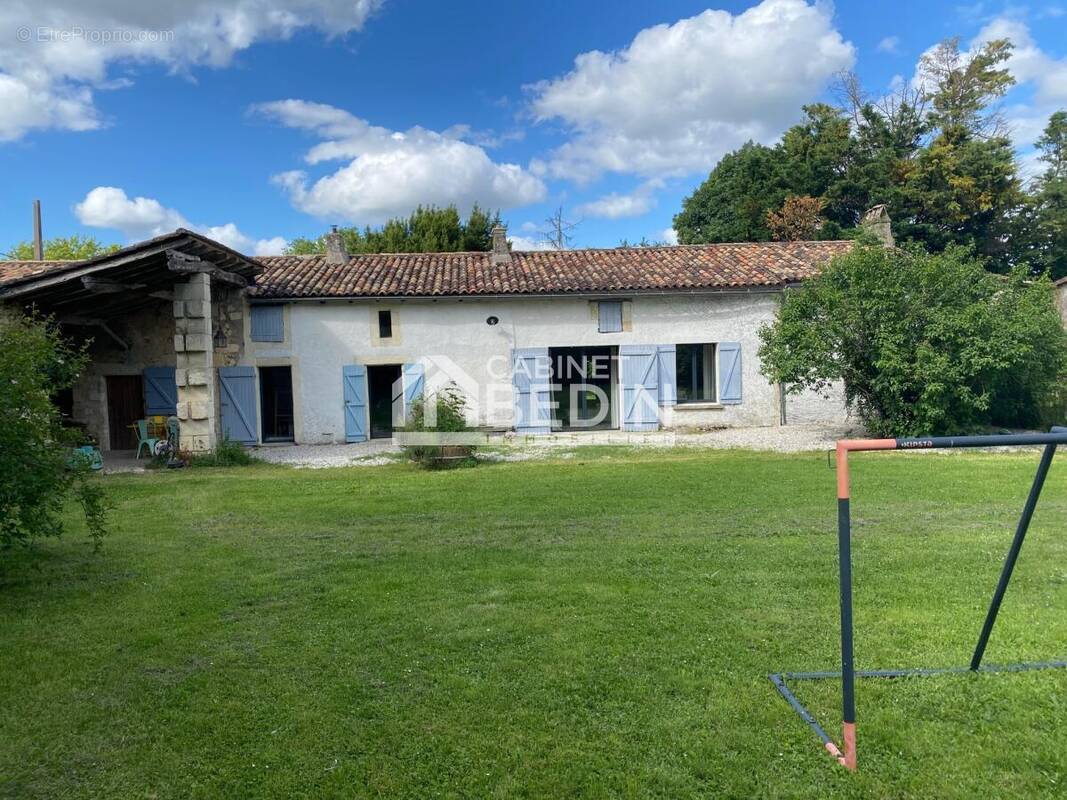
845,753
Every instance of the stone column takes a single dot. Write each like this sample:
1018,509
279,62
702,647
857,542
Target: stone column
195,364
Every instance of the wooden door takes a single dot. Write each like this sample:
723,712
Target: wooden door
125,405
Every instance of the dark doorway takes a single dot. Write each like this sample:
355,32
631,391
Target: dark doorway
276,403
381,380
584,382
125,405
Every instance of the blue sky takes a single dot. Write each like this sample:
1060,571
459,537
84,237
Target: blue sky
258,121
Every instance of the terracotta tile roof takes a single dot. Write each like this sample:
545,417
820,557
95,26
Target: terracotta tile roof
186,241
15,270
625,269
684,267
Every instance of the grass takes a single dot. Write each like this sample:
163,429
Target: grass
597,627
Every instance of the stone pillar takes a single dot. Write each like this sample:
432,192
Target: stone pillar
195,364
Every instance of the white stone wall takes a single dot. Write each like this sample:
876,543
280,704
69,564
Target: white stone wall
322,337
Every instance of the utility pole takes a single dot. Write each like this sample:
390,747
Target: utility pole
38,242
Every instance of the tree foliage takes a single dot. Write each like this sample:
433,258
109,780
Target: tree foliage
924,343
63,248
962,86
37,471
427,230
1048,214
797,220
732,204
935,154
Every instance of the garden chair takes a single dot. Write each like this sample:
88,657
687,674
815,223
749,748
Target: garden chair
144,440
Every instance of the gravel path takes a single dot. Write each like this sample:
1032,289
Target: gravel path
509,447
318,456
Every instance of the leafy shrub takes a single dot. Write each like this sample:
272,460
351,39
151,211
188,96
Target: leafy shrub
38,472
449,416
227,453
924,344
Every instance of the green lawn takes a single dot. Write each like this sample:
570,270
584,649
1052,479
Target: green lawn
600,626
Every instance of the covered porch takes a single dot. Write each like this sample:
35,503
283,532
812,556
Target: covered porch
157,319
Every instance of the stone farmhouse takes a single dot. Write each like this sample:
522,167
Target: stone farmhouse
331,348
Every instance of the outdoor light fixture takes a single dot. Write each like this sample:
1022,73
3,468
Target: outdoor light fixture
492,320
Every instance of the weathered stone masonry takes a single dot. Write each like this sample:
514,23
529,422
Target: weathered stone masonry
195,363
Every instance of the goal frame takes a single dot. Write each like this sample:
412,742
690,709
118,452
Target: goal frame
845,754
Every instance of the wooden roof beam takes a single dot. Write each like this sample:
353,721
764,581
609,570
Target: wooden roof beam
191,265
105,286
93,322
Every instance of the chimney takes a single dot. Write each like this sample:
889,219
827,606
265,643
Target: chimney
501,253
335,247
38,242
876,222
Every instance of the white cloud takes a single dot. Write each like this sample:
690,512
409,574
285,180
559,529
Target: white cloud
889,44
1028,62
54,55
391,172
528,243
669,235
617,206
680,96
144,217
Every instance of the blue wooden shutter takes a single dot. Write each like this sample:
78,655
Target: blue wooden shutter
531,377
640,387
729,372
160,391
667,371
609,316
414,376
237,401
355,399
267,324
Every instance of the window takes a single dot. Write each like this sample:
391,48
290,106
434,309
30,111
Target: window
610,316
267,324
385,324
696,373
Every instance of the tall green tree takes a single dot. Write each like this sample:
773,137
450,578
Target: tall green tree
962,190
427,230
63,248
732,204
818,159
935,156
963,187
1049,214
961,86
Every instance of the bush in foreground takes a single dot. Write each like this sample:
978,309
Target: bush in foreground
923,343
449,415
39,471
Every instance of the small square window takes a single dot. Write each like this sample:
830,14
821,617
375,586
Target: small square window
610,316
385,324
695,365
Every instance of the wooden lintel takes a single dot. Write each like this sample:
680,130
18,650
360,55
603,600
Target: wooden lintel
191,265
105,286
